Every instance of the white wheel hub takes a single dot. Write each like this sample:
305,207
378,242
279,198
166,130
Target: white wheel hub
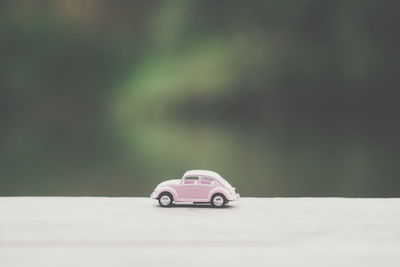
165,200
218,201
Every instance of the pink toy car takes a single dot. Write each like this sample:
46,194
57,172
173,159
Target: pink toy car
196,186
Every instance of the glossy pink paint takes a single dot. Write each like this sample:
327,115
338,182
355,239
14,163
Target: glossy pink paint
196,186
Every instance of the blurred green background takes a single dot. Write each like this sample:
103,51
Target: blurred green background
283,98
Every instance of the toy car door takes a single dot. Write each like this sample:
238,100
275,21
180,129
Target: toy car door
188,189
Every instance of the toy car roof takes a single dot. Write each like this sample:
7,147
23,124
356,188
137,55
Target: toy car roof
202,173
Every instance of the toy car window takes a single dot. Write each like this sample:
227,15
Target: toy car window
205,180
191,180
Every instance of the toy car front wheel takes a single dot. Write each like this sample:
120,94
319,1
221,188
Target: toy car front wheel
218,201
165,199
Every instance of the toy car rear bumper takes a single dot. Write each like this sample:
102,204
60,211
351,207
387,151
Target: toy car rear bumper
153,195
234,197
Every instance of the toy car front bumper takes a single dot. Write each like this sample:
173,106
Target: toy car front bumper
237,196
153,195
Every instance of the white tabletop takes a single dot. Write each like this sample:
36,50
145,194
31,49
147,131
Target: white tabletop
94,231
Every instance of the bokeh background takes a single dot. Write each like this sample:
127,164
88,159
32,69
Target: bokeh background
283,98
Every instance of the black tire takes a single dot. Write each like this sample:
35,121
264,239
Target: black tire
218,201
162,199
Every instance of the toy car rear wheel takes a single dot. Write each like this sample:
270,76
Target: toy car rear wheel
218,201
165,199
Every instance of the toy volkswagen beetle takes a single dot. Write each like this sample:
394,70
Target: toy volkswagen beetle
196,186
